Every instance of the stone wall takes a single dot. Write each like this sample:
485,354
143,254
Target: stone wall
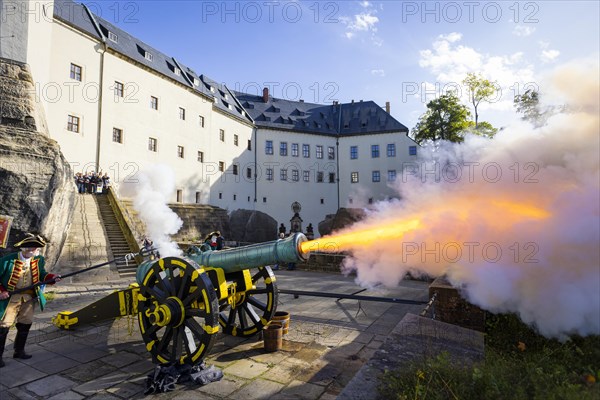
452,308
36,182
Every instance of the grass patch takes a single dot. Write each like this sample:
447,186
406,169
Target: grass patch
519,364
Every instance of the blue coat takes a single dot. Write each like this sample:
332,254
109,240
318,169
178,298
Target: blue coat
10,271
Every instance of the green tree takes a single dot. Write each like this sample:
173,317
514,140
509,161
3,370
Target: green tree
528,104
484,129
445,119
480,89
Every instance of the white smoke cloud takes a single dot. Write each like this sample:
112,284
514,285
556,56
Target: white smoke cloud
151,193
513,221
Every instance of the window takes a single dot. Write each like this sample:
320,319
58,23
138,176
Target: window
222,166
332,177
391,150
249,173
320,176
73,123
375,151
283,174
198,197
179,195
117,135
269,174
234,197
264,199
236,140
119,89
220,195
148,56
76,72
354,177
295,175
306,176
269,147
182,113
306,150
154,103
222,135
283,149
200,156
152,144
350,200
330,153
370,200
322,201
180,151
353,152
177,71
201,119
235,169
412,150
113,36
295,150
319,151
376,176
249,144
391,175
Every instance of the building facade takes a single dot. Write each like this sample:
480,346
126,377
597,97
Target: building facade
116,104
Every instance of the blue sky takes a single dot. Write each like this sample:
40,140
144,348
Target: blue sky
404,52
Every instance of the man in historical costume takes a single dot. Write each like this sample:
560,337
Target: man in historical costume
17,271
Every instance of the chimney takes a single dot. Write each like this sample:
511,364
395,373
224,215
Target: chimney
301,100
266,95
387,107
335,102
352,101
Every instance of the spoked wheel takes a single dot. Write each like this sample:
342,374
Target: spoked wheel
253,309
177,310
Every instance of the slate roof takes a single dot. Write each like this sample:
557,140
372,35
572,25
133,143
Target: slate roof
79,16
345,119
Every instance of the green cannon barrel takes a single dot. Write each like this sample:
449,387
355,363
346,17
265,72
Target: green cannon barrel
256,255
245,257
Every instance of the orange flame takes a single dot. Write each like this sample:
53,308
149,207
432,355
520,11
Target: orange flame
500,213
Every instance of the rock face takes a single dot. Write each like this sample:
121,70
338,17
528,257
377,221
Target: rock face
199,220
252,226
36,183
344,217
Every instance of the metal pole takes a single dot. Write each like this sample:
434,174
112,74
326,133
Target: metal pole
350,296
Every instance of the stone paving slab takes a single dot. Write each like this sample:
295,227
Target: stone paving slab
327,344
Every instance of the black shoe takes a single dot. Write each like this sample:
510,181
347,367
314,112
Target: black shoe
22,355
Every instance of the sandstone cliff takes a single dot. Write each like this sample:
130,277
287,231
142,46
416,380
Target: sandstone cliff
36,182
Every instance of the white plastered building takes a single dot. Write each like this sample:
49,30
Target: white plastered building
114,103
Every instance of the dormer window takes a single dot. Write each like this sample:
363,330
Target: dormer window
196,82
177,71
226,96
149,56
113,36
212,89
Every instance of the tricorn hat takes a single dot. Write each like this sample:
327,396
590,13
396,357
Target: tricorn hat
31,240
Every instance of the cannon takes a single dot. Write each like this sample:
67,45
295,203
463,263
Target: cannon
182,302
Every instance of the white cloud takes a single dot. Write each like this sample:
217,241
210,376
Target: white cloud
378,72
549,56
364,22
523,30
450,61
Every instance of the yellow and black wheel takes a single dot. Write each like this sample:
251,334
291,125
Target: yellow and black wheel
177,310
251,310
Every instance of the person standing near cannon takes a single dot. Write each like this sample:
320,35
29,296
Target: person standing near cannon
18,271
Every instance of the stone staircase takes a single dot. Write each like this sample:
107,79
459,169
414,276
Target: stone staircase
116,239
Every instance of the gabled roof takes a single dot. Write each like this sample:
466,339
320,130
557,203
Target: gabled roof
356,118
80,17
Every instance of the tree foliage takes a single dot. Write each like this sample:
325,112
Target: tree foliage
445,119
528,104
480,89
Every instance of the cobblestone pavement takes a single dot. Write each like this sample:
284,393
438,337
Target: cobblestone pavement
327,344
